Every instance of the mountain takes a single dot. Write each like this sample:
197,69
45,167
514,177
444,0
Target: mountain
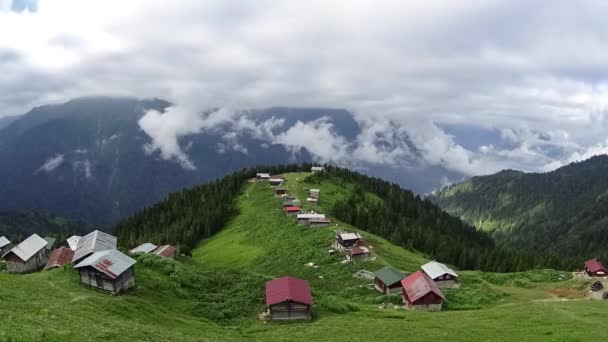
218,292
89,158
17,225
564,210
6,120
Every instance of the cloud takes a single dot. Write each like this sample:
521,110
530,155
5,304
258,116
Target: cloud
404,67
51,164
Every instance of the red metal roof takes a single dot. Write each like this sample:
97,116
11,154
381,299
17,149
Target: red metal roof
288,289
166,251
59,257
418,285
358,250
594,265
292,209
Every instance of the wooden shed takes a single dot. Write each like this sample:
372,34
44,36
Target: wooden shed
305,218
345,240
59,257
95,241
5,245
280,191
166,251
288,298
30,255
594,268
108,270
442,275
388,280
357,253
421,293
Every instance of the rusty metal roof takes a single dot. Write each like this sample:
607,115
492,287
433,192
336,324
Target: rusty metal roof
29,247
418,285
166,251
59,257
4,241
143,248
111,262
93,242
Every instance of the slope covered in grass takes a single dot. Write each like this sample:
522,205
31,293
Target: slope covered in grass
217,294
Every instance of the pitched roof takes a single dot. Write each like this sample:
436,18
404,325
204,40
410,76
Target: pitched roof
310,216
594,265
292,208
435,269
59,257
358,250
350,236
288,289
93,242
4,241
111,262
143,248
73,241
166,251
418,285
389,275
28,247
50,242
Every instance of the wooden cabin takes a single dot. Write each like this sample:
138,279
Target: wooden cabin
346,240
319,222
30,255
144,248
388,280
59,257
95,241
291,202
314,193
312,200
421,293
108,270
357,253
305,218
594,268
292,210
288,298
262,176
275,181
5,245
166,251
317,169
280,191
442,275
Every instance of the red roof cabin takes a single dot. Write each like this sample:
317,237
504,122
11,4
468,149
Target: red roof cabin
166,251
288,298
59,257
594,268
421,293
292,210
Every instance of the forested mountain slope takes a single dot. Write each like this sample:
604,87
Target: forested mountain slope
562,210
17,225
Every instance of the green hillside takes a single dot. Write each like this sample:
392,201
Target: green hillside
524,209
217,293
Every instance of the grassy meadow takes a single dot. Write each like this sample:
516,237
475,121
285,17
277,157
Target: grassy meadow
217,294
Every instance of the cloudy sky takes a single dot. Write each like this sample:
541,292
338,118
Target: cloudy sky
475,86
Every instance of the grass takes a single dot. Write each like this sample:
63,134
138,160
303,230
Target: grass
216,294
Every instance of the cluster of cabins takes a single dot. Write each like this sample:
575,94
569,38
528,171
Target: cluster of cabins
420,290
352,244
95,257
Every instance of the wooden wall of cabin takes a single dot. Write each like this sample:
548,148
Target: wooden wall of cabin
36,262
289,311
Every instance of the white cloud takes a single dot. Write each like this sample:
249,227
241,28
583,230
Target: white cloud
52,163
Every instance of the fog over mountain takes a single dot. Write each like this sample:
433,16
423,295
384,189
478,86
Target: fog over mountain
473,92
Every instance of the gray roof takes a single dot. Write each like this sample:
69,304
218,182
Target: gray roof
93,242
4,241
435,269
73,242
389,275
28,247
143,248
111,262
50,242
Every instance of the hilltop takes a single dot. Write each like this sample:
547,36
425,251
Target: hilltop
524,209
216,293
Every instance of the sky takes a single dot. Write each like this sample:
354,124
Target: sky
470,86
